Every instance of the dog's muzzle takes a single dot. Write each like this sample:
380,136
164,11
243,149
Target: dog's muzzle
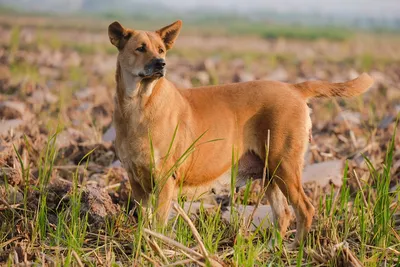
155,68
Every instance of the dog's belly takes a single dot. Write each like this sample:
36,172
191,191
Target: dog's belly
250,166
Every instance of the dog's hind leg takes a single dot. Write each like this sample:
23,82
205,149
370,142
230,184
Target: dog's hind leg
288,178
280,208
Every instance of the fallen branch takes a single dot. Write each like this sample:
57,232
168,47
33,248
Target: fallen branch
172,242
196,234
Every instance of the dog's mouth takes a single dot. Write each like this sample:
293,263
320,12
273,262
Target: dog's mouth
156,74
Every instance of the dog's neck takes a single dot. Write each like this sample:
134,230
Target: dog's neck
132,90
137,97
132,86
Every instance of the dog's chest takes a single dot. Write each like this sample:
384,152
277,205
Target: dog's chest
133,149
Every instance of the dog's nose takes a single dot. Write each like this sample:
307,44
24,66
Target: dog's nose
159,63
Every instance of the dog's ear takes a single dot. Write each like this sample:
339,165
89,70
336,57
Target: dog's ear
118,34
169,33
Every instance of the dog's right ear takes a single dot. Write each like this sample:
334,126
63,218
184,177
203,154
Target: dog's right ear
169,33
118,35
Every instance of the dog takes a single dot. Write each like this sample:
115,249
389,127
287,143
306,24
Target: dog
156,124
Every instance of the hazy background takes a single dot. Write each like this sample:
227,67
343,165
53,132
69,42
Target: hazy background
359,13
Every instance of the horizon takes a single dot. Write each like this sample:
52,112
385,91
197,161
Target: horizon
357,9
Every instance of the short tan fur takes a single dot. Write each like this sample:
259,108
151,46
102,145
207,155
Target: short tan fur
240,114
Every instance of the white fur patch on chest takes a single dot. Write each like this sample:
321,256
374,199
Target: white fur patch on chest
156,156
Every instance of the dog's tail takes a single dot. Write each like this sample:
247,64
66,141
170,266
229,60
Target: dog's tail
326,89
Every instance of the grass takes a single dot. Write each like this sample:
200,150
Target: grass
14,41
24,70
275,31
348,228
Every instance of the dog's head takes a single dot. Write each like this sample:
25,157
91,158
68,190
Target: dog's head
142,53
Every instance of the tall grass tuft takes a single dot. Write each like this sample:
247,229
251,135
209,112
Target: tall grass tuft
45,164
382,213
14,41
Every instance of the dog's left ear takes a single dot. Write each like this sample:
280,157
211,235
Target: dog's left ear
169,33
118,34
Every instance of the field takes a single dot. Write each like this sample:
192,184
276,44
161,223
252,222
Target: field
64,198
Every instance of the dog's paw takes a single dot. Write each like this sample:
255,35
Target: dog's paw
140,213
292,246
148,213
275,244
271,245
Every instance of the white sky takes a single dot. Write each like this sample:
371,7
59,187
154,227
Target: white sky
368,8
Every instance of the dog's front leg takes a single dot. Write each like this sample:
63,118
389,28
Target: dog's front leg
141,192
139,195
164,200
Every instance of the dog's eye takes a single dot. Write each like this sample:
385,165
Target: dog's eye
160,50
141,48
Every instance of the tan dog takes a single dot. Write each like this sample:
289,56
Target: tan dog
148,108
